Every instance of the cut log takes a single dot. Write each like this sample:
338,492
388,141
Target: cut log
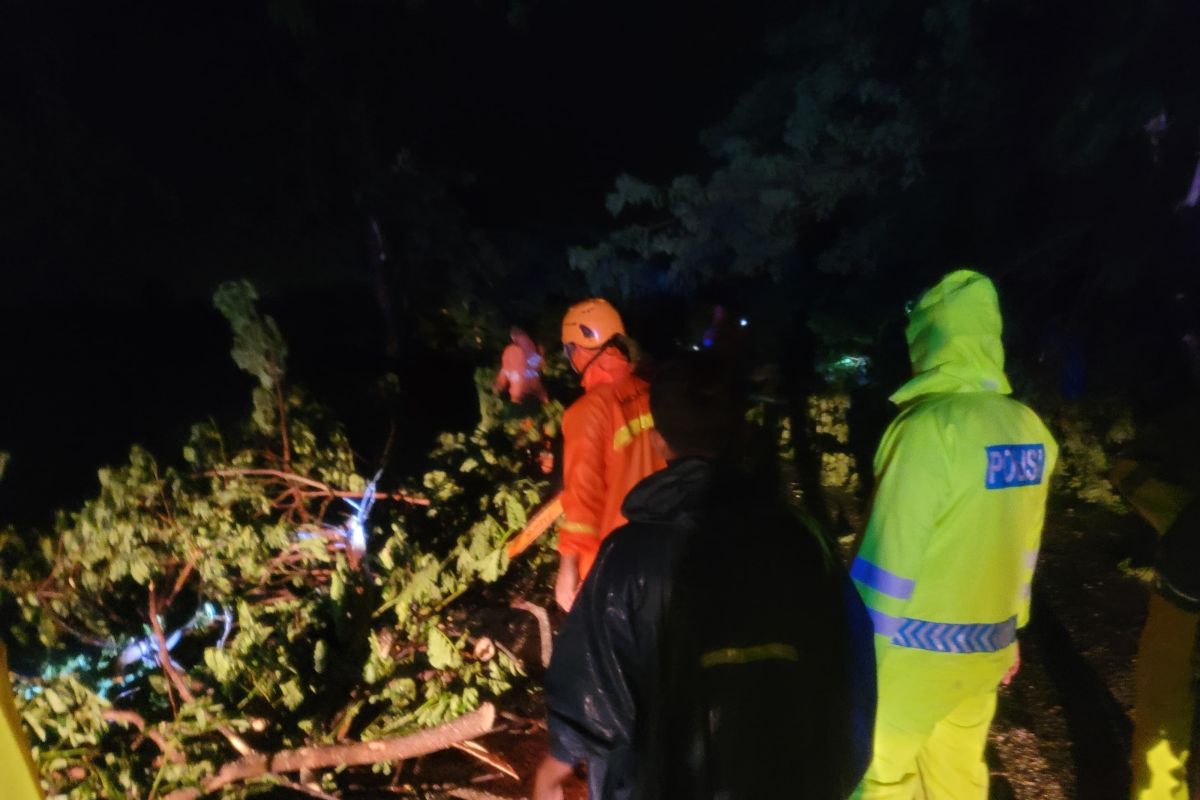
468,726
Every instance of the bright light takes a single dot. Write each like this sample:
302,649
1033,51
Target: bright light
743,322
356,526
696,347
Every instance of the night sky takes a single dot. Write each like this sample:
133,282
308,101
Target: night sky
152,150
149,151
161,144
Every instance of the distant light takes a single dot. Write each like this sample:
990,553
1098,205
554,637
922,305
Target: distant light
743,322
853,362
696,347
707,342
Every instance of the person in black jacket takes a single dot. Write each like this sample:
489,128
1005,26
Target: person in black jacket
717,649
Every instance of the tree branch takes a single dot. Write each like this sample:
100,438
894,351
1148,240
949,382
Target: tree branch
281,401
188,569
322,489
543,620
302,789
468,726
164,657
478,751
135,719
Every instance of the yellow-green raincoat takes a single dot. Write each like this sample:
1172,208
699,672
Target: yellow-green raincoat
18,775
949,551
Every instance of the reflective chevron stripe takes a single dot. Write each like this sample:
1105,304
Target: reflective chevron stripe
945,637
881,580
1031,558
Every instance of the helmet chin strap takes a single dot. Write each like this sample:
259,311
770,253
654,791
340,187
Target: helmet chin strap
599,352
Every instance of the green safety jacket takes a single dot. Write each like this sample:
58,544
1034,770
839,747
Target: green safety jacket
962,475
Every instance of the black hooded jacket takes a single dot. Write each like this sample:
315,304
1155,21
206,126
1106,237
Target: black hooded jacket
715,642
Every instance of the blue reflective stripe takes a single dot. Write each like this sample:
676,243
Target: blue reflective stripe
881,580
885,624
950,637
945,637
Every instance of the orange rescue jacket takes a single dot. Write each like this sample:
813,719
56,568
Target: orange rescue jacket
606,451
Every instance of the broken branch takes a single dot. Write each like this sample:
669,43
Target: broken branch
135,719
476,750
468,726
164,657
543,620
322,489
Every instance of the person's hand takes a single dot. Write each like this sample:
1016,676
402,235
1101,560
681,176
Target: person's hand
1016,665
548,782
567,584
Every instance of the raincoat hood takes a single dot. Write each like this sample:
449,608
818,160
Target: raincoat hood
954,341
609,366
677,494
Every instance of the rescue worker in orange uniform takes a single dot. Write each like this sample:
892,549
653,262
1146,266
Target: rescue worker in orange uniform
606,442
520,369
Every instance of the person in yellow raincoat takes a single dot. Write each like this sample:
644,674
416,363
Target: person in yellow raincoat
1160,479
18,775
950,546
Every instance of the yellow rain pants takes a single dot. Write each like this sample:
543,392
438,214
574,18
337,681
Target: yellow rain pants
1164,702
1162,730
931,725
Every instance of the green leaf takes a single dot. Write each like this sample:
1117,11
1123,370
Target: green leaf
514,512
319,655
494,565
442,652
292,696
219,663
56,702
140,572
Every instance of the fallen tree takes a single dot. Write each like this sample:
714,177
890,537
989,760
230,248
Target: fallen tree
263,607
